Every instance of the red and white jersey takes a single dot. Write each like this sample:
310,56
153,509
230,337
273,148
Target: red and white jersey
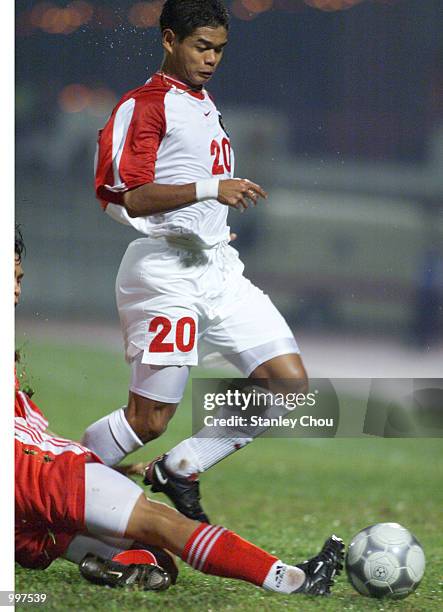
27,412
30,426
49,486
165,133
49,469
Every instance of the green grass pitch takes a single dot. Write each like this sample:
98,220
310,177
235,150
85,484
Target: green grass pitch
285,495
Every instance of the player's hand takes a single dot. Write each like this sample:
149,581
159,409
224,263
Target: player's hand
239,193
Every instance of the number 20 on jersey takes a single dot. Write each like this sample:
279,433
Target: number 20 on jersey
221,154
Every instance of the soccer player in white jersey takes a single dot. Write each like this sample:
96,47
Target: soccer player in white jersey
165,165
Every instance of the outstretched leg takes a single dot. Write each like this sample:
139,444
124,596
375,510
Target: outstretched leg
207,548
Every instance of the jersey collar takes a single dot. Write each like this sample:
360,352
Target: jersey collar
165,78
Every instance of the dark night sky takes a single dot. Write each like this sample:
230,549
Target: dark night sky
372,67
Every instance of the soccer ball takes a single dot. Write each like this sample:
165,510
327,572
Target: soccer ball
385,560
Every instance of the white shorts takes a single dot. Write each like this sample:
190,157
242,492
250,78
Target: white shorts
178,303
110,499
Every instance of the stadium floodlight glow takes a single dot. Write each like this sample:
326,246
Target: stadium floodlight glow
56,20
332,5
241,12
102,101
291,6
258,6
83,11
145,14
74,98
37,13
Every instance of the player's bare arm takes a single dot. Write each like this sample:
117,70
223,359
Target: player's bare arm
153,198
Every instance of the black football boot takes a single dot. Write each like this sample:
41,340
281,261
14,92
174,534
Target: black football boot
321,569
184,493
111,573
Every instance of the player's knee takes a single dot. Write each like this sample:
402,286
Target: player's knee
148,418
299,384
154,426
151,424
287,373
291,385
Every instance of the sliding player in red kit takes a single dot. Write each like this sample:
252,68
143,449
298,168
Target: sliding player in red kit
165,165
68,503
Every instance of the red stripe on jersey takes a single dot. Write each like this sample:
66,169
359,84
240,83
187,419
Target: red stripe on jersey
60,442
103,173
26,408
35,422
32,433
47,444
33,414
25,426
128,144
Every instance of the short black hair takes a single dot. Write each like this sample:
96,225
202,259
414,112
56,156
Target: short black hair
20,248
185,16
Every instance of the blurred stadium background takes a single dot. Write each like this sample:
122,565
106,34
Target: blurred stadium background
334,106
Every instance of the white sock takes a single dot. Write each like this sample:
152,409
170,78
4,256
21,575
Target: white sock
284,578
111,438
195,455
209,445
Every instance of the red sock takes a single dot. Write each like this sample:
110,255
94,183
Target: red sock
215,550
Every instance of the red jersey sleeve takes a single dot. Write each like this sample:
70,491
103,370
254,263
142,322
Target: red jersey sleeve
26,409
127,146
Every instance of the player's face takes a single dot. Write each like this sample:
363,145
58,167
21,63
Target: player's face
18,280
195,59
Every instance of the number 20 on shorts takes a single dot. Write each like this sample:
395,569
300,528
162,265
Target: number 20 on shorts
184,335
